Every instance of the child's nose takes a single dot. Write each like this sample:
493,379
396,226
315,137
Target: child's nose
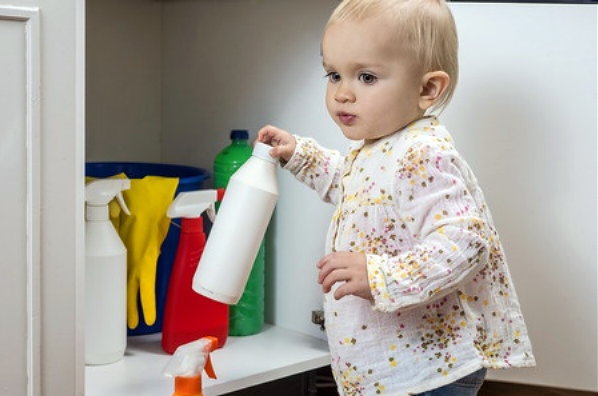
344,93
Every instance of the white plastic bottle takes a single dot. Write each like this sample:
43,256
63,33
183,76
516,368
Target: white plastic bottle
240,225
105,275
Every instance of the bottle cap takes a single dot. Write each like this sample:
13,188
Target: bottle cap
187,386
237,134
262,150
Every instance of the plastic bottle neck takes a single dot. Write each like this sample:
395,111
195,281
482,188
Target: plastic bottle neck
262,151
240,142
187,386
193,225
97,213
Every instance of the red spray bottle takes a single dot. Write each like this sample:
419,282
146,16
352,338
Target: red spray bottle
188,315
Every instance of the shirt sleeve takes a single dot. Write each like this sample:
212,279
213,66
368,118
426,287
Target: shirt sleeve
317,167
438,208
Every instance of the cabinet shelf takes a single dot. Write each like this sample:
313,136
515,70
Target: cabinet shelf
243,362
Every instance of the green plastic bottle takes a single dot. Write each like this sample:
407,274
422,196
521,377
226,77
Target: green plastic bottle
247,317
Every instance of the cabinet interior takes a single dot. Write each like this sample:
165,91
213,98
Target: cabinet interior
166,81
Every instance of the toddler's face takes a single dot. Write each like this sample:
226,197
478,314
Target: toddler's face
373,81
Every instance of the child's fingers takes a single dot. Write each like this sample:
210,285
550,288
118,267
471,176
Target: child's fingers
326,265
265,134
346,267
354,287
326,259
337,275
279,151
280,138
347,289
270,135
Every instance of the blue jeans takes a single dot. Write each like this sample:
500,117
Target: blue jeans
466,386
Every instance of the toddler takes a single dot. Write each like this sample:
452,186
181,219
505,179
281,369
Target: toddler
418,297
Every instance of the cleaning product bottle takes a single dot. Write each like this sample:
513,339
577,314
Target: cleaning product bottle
105,275
231,158
247,316
188,315
187,364
239,228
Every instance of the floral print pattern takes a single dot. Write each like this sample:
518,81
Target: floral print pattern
444,304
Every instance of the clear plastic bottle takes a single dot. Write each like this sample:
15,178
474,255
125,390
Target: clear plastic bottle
237,233
247,316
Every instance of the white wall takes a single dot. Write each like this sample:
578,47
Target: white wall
524,115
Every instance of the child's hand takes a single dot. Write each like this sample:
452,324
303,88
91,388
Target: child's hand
283,142
348,267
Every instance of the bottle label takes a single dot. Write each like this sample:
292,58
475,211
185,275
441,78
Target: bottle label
234,240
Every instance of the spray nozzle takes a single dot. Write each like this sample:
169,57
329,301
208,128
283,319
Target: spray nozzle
193,203
99,193
187,364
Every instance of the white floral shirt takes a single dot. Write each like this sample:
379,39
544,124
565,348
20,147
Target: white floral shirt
444,303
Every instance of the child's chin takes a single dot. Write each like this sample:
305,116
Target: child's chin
352,133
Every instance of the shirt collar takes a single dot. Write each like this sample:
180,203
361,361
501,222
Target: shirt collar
427,121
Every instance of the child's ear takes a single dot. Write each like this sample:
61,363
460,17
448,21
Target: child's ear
434,85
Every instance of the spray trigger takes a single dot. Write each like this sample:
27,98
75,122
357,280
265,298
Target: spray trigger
211,212
122,203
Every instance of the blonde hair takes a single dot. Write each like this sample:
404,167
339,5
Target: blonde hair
427,26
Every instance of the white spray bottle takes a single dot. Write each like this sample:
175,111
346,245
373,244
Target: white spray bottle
105,275
240,225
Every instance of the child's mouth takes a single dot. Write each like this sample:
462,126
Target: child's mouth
346,118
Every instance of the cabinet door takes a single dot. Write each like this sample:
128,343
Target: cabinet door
19,205
41,171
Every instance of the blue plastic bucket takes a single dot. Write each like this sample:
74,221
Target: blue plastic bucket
190,179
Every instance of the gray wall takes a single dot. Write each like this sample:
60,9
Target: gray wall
123,80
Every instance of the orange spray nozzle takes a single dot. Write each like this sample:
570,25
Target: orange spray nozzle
191,385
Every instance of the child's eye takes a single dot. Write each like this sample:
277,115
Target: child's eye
367,78
333,76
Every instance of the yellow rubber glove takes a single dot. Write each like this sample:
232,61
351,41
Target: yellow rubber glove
143,233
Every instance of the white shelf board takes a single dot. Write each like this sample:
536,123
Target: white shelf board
243,362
